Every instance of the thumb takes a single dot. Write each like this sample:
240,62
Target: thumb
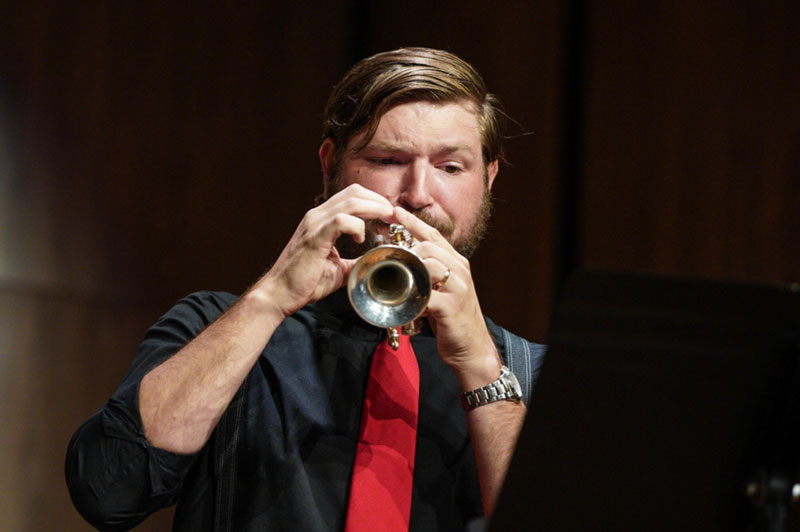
347,266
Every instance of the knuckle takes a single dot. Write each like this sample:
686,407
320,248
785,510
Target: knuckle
308,223
423,248
339,218
354,188
350,204
310,215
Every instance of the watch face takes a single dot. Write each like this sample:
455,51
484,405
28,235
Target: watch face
513,383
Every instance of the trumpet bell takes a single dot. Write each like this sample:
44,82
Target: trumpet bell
389,286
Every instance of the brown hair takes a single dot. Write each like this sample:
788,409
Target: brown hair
377,83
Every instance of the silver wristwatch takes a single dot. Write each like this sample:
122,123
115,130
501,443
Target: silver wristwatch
506,387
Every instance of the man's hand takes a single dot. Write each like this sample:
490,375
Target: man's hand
465,344
181,400
310,268
454,312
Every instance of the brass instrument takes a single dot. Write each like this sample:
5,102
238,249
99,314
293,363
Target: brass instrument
389,285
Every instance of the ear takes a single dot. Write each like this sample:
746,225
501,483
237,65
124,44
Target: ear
491,172
327,158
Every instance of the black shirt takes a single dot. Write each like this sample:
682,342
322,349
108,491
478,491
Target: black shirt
282,454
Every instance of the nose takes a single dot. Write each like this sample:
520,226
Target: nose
416,193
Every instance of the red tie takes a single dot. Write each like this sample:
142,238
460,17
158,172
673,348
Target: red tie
383,473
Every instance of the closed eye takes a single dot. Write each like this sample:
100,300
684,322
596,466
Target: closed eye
384,161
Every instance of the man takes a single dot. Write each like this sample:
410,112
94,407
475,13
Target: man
247,411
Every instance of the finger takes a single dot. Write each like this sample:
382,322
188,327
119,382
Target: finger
439,273
367,208
444,254
360,201
419,229
346,265
341,224
345,212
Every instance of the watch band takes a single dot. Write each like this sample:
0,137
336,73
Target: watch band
506,387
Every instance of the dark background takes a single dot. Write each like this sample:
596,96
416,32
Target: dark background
147,151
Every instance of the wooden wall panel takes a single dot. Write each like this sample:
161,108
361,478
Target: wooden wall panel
186,138
146,151
62,356
692,126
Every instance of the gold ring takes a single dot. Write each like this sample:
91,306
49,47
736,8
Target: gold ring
439,284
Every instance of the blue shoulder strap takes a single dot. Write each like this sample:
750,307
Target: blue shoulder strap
522,357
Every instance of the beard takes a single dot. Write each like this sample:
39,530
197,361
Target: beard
465,245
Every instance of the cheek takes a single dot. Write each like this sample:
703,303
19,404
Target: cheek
369,179
462,200
354,175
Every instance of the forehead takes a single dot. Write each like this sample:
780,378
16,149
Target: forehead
420,122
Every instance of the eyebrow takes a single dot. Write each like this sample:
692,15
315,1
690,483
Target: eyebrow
439,149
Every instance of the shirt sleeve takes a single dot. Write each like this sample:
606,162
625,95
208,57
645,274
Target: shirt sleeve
115,477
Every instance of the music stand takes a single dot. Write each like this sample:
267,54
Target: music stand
663,404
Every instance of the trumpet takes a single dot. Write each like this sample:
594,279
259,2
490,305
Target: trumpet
389,285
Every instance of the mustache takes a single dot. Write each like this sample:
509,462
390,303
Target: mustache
446,227
350,249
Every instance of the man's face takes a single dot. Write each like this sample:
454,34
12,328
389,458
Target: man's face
427,158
